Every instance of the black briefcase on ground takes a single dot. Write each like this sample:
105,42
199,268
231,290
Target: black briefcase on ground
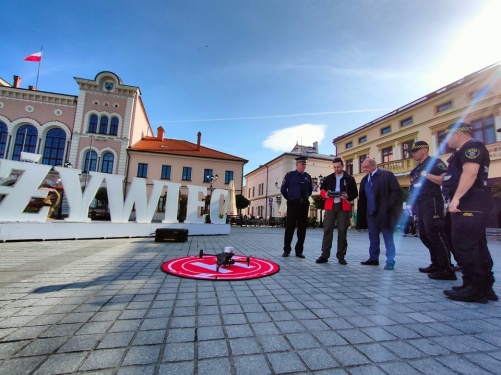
171,235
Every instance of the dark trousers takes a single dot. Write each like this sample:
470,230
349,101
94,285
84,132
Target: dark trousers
431,225
297,214
469,239
342,218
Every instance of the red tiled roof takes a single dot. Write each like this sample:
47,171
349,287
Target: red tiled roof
179,147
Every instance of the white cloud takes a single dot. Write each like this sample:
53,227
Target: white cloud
286,139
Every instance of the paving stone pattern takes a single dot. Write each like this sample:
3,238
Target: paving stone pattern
105,307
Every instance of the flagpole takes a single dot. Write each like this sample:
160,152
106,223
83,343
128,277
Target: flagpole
38,73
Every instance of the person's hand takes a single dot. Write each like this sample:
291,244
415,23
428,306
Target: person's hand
344,195
453,206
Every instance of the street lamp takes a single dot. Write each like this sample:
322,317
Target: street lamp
210,179
67,164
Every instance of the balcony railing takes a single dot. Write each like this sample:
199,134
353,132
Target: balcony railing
399,166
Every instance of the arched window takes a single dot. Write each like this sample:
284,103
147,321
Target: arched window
53,151
92,124
3,139
26,140
103,125
107,166
114,126
90,161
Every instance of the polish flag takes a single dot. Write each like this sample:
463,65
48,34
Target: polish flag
37,57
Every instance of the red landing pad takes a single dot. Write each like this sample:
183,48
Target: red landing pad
205,268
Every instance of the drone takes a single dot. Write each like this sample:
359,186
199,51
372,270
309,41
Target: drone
225,259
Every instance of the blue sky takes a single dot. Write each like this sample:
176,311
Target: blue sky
255,77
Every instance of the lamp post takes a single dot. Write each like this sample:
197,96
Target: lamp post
67,164
210,179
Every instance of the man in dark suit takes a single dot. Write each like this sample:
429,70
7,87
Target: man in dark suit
379,208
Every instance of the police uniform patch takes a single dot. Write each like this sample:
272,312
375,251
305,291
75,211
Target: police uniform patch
472,153
441,165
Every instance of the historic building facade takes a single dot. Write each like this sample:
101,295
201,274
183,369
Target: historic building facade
105,128
263,184
475,98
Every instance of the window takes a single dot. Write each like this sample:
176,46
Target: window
26,140
407,145
349,166
92,124
360,161
107,166
387,154
444,107
260,189
53,152
349,145
386,130
103,125
406,121
142,170
3,139
186,173
90,161
248,196
253,191
165,172
483,129
443,147
208,175
114,126
228,176
362,139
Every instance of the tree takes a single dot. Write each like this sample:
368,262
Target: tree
241,202
318,202
102,197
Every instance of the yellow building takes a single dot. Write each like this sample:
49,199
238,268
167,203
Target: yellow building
475,98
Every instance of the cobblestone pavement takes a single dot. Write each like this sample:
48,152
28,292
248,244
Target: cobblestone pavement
105,307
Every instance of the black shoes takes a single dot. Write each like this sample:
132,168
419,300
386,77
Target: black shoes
430,269
321,260
443,275
285,255
300,256
491,295
489,292
342,261
466,294
370,262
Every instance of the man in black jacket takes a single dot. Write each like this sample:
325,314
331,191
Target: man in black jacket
338,189
379,207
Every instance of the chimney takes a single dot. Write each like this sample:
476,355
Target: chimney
315,146
160,133
17,81
32,88
199,138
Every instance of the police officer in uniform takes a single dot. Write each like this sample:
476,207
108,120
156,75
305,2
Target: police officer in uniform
426,179
465,184
296,188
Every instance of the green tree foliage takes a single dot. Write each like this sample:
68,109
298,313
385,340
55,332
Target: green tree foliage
102,197
241,202
318,202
